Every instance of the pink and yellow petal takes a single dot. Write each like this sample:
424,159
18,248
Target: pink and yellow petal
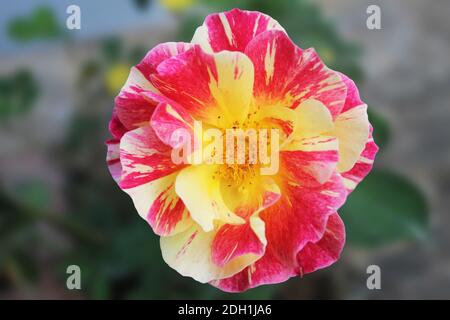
326,251
223,84
266,270
314,119
169,118
208,256
232,241
298,218
144,158
159,54
362,166
310,167
131,107
189,253
352,131
157,203
116,127
232,30
113,159
281,118
351,127
286,74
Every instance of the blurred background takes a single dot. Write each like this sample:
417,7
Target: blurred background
59,206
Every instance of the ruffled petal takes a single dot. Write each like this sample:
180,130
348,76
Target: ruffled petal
159,54
131,107
326,251
208,256
309,167
351,127
157,203
117,130
113,159
287,75
144,158
222,90
299,217
362,166
169,118
189,253
116,127
311,156
232,30
200,191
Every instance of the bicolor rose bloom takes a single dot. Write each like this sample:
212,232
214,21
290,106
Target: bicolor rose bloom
228,225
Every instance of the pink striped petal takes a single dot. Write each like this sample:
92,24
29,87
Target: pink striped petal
232,30
144,158
113,159
116,128
352,98
362,166
310,166
170,117
211,87
364,162
131,107
326,251
232,241
267,270
299,217
286,74
157,203
159,54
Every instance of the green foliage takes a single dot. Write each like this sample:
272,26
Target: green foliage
142,4
33,193
384,208
18,92
112,49
40,24
381,130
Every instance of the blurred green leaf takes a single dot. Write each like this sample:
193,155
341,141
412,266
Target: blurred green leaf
381,130
33,193
112,49
18,93
40,24
142,4
384,208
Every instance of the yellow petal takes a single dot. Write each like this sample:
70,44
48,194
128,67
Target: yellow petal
352,131
233,87
313,118
199,189
314,128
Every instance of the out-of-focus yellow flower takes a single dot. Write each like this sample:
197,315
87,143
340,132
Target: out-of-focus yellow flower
177,5
115,77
